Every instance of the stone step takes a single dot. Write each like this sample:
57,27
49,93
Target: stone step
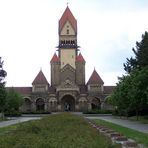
130,144
116,137
112,135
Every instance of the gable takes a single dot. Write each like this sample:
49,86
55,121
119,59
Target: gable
67,29
95,79
67,15
67,85
67,72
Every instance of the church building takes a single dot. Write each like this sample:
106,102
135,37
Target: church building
68,90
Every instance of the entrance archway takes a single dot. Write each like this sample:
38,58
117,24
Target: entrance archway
40,104
95,103
68,103
27,104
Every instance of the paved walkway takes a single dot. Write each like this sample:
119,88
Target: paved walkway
126,123
15,120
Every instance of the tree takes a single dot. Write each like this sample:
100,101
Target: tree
120,97
3,73
2,87
138,92
131,93
141,55
14,101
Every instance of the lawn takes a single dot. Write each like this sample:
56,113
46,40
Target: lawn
130,133
56,131
8,129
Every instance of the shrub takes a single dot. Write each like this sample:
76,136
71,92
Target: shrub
13,113
98,111
37,112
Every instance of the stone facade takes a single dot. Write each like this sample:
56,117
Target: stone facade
68,90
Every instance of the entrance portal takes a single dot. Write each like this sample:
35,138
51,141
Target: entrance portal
40,104
68,103
95,103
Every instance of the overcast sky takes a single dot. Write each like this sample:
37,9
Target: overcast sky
107,31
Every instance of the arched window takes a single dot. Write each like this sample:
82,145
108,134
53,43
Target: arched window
27,105
67,31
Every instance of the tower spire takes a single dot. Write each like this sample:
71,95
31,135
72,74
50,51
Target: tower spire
67,38
67,30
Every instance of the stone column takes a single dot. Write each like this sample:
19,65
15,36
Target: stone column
89,106
59,107
76,107
102,105
33,106
46,106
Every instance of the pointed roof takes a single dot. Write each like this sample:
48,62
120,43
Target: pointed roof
67,15
55,58
80,58
95,78
40,79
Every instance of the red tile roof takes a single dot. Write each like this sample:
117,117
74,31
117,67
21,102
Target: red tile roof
95,78
67,15
40,79
21,90
55,58
80,58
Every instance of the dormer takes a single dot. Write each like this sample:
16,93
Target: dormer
40,83
95,83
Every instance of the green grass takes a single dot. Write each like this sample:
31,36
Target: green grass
130,133
56,131
7,129
3,119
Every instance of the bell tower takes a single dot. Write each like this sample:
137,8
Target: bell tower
68,64
67,39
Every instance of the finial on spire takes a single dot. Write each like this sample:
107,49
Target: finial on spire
67,4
